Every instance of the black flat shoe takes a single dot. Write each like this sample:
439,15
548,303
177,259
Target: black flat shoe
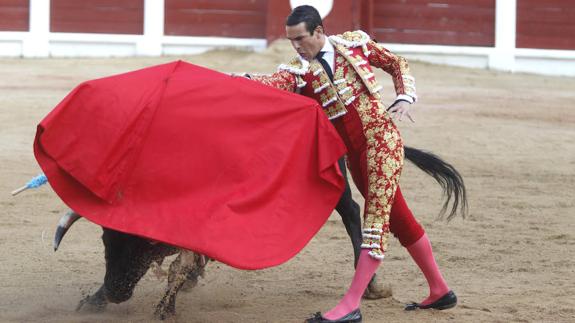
446,301
353,317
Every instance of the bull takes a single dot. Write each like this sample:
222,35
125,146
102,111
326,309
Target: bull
129,257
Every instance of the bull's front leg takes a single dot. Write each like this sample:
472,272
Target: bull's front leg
186,267
128,258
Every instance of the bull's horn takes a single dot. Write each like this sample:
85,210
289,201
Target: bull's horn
64,224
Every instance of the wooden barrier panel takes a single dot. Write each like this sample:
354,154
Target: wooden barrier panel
223,18
344,16
97,16
438,22
14,15
548,24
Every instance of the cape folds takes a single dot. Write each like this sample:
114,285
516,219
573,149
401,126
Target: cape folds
238,171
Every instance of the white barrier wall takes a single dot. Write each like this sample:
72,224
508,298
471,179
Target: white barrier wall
504,56
40,42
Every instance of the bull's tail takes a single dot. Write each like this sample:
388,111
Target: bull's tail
446,175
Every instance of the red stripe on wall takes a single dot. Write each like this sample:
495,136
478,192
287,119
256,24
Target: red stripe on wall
97,16
440,22
14,15
546,24
344,16
231,18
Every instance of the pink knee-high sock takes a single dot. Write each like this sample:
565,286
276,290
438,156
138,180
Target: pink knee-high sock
422,253
366,267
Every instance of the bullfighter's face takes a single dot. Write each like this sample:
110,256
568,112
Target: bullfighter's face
306,44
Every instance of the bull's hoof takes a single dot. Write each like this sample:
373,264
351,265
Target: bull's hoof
189,285
376,291
165,310
93,303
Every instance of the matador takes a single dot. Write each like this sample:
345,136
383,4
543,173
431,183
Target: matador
337,72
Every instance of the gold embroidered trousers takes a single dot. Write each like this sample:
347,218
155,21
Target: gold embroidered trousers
375,159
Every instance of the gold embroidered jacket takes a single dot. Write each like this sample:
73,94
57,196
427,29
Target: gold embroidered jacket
355,54
354,87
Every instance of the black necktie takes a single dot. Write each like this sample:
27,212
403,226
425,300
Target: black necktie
325,65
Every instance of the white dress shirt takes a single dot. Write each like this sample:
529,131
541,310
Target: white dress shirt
329,54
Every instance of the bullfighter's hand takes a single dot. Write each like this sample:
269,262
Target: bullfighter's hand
246,75
400,110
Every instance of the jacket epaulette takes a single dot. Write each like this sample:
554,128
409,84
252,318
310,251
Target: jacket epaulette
352,39
296,66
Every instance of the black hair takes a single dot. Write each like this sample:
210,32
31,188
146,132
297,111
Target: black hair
306,14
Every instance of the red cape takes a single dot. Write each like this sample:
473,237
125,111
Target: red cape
238,171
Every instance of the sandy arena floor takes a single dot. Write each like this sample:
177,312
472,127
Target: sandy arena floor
511,136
